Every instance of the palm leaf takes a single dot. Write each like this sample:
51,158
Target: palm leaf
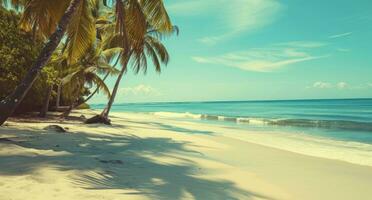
157,15
153,55
70,77
81,32
102,86
160,49
42,16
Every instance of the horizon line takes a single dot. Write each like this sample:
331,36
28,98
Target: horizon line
226,101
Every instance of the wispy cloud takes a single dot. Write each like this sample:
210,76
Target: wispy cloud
232,17
327,85
341,35
141,89
303,44
265,59
210,40
342,85
321,85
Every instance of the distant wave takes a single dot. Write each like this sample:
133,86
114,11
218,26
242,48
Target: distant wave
178,115
329,124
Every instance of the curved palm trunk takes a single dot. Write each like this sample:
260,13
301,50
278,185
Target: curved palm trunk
10,103
59,89
77,103
107,110
103,117
123,32
93,93
44,109
97,88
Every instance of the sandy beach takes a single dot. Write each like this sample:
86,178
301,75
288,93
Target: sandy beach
185,100
148,157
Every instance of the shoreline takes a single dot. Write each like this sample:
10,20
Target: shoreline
291,139
153,158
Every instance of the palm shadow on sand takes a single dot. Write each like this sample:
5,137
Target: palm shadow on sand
116,161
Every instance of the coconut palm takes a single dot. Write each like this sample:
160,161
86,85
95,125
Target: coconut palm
150,47
86,73
98,87
130,32
9,104
51,19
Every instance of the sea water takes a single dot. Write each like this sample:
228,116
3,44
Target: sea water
334,128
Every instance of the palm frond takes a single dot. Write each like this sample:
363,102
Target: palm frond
81,32
111,53
161,35
42,16
160,49
157,15
70,77
136,24
153,55
102,86
104,68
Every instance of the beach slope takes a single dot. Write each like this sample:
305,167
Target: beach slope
149,157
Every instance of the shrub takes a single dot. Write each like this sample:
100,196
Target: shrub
18,50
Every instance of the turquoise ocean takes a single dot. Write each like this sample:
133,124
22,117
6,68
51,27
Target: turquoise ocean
345,124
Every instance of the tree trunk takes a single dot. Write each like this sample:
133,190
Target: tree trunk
59,89
93,93
68,111
45,107
107,110
103,117
126,54
71,107
77,104
10,103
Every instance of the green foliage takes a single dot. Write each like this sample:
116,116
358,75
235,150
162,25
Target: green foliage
18,51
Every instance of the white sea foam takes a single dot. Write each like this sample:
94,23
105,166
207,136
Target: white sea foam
294,140
242,120
222,118
257,122
339,124
352,152
177,115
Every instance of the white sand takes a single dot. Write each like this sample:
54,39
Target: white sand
148,157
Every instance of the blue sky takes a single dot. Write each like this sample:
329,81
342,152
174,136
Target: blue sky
261,50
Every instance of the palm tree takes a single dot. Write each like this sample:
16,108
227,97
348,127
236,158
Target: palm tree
151,48
98,87
9,104
44,109
51,19
128,32
87,71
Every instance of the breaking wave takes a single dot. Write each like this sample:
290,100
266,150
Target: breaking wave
328,124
